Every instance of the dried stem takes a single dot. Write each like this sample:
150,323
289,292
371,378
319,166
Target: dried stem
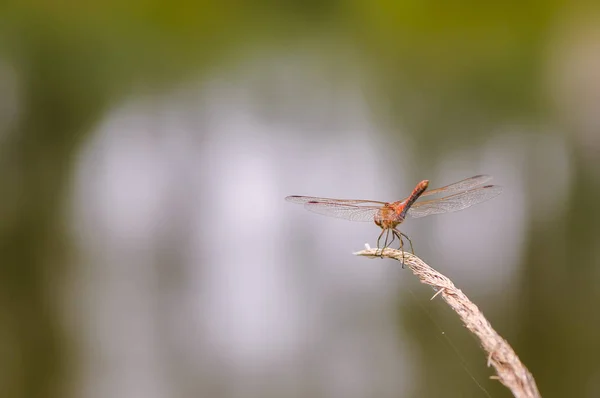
511,371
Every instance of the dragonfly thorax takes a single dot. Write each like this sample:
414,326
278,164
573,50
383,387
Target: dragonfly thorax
389,216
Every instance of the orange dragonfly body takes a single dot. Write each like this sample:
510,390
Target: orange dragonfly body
388,216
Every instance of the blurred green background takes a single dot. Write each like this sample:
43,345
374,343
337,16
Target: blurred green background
146,148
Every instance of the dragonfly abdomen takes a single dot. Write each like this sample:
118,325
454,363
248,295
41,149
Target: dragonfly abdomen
418,191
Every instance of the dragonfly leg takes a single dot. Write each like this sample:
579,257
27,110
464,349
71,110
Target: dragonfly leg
409,241
393,239
399,235
379,239
386,244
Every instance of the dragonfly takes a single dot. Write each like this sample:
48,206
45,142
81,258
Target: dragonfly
388,215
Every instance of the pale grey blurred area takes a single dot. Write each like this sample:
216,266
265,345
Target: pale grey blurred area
197,264
148,251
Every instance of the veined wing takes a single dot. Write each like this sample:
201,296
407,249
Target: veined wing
306,199
460,186
345,211
454,202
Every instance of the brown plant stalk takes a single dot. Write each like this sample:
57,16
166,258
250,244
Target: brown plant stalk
511,371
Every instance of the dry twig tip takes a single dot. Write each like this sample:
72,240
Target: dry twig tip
511,371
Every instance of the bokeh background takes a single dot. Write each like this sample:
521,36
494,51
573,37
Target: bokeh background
146,148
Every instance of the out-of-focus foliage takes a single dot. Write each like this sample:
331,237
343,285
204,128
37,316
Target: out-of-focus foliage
117,44
467,64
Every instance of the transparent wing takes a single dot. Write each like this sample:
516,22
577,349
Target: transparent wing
460,186
306,199
454,202
347,212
